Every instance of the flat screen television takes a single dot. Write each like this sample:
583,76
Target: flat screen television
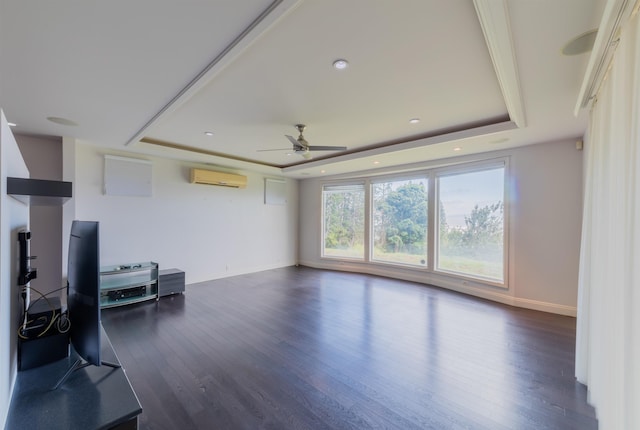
83,295
83,300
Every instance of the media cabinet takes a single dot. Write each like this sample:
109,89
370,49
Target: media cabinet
129,283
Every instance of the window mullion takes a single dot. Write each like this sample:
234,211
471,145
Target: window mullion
433,221
367,221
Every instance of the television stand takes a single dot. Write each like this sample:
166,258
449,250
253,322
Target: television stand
81,364
129,283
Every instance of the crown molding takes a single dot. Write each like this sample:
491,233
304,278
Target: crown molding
496,27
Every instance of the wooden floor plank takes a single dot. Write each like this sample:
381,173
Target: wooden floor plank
300,348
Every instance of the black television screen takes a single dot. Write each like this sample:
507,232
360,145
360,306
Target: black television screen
83,302
83,296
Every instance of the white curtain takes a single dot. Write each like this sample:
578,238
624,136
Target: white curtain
608,325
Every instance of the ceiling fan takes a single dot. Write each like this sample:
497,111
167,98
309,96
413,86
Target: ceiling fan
302,147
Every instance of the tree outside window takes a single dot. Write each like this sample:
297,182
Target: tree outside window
400,221
343,210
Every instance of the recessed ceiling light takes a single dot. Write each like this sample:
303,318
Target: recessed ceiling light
62,121
340,64
414,120
322,171
208,133
376,162
457,148
12,124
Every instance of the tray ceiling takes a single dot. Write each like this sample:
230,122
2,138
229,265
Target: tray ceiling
480,76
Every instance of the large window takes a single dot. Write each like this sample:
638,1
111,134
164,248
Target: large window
471,224
399,221
343,221
450,220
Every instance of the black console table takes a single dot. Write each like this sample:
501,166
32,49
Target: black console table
91,398
170,281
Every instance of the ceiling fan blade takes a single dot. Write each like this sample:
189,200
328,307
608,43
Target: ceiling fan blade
296,144
327,148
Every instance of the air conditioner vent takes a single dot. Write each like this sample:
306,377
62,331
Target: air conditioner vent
210,177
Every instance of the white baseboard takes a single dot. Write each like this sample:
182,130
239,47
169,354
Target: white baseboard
554,308
243,271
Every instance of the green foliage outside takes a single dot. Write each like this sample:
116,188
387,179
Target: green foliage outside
344,223
400,222
400,229
476,248
472,266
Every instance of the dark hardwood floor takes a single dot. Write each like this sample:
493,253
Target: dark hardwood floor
300,348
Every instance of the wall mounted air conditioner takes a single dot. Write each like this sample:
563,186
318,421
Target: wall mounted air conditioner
209,177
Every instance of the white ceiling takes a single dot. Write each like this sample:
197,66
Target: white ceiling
166,72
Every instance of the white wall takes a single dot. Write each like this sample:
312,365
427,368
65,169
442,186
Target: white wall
544,231
547,216
14,216
208,231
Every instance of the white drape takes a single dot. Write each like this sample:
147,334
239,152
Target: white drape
608,325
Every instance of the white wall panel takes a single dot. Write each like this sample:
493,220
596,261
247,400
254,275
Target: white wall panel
125,176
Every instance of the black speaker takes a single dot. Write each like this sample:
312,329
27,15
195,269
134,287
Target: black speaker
43,350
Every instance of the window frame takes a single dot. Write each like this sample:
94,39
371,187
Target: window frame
345,184
474,167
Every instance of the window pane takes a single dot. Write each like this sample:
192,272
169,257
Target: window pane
400,221
343,234
471,224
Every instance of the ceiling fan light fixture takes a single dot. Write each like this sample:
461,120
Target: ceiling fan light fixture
340,64
302,147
